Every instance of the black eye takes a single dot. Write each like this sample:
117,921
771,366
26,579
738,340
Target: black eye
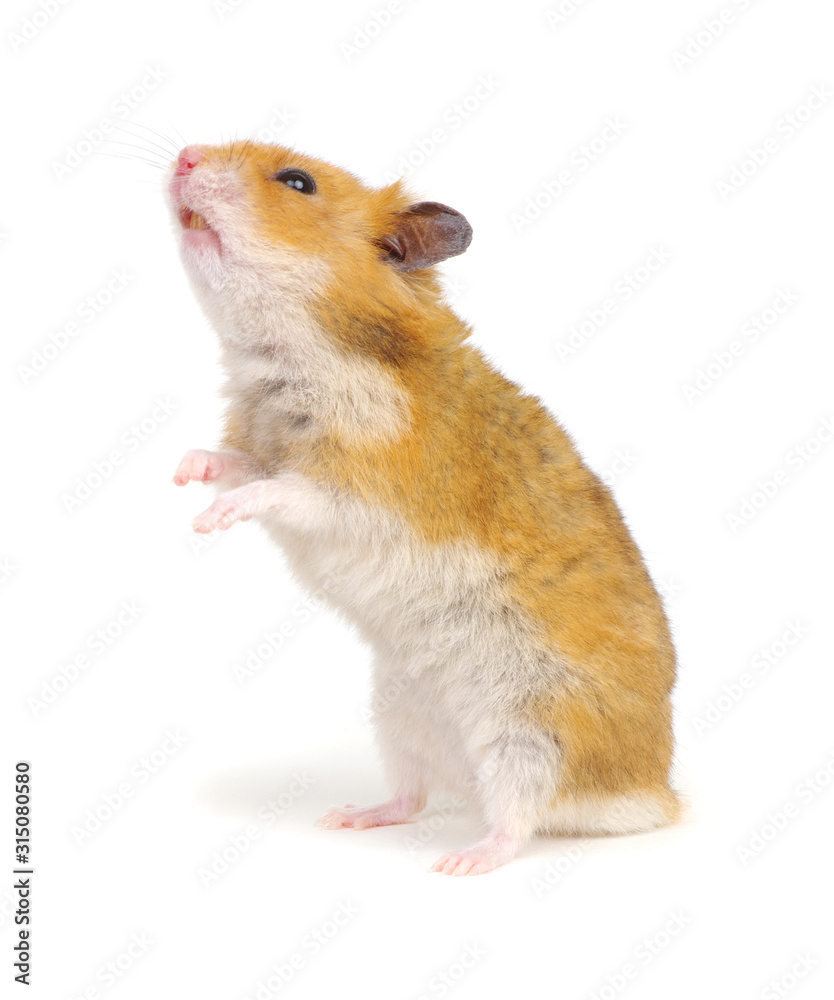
297,179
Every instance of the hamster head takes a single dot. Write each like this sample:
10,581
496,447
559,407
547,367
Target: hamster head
264,223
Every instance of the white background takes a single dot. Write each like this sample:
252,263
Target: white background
731,900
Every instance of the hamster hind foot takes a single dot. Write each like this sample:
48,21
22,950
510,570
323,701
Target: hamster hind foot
398,810
491,852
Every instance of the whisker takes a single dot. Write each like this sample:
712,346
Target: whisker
129,156
164,159
166,150
178,134
161,135
149,153
244,149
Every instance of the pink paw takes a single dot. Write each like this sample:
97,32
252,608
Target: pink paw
229,508
463,863
352,817
489,854
199,466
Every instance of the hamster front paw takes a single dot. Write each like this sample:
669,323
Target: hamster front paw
200,466
241,504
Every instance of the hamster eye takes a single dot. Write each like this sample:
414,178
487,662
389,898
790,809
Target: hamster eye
297,179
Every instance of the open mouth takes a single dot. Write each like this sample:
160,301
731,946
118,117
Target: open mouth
192,220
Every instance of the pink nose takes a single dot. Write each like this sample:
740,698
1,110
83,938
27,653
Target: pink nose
188,159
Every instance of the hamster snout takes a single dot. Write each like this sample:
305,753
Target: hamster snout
188,159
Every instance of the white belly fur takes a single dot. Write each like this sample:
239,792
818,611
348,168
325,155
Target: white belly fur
455,660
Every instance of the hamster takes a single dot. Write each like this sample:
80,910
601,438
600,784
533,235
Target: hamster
522,654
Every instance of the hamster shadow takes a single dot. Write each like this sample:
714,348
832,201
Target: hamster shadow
291,791
290,794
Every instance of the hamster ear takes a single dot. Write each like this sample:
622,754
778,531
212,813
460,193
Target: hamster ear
425,234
